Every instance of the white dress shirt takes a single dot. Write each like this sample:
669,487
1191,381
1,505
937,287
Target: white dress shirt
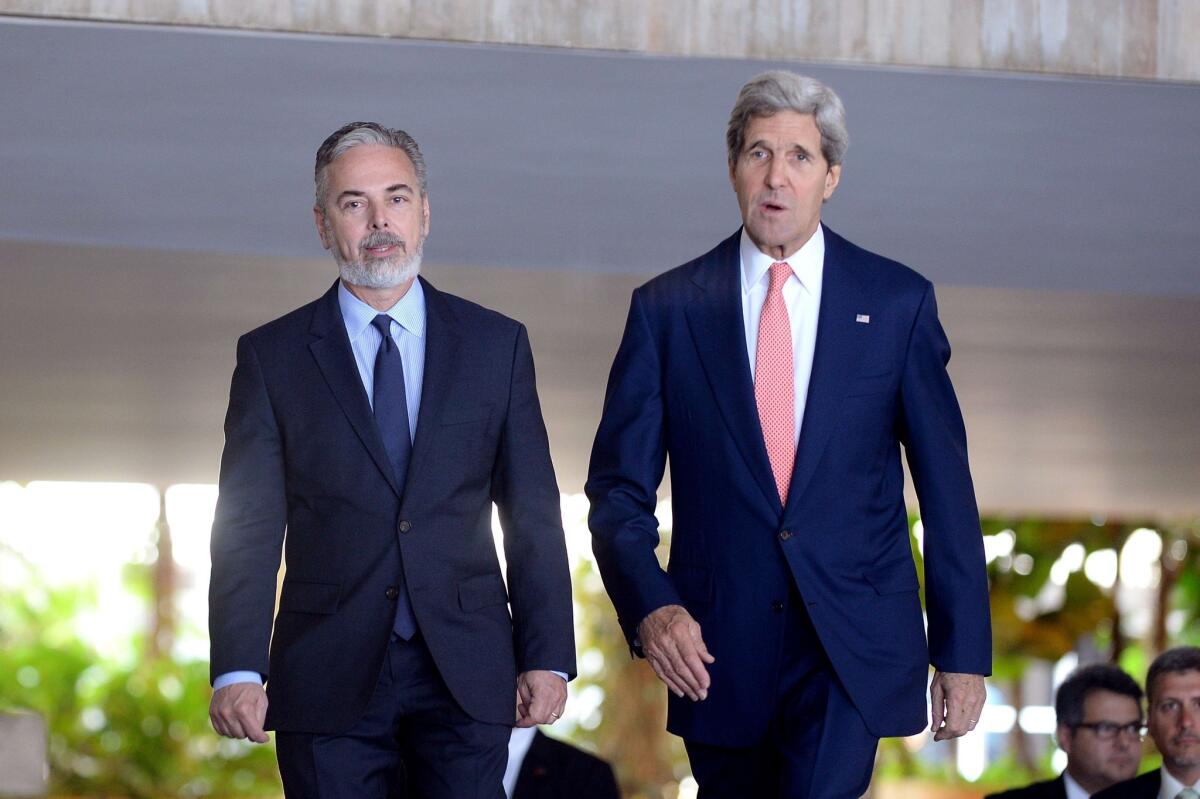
1171,787
801,296
518,746
1073,789
408,331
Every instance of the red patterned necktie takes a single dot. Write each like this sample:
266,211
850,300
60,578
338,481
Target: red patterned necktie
774,381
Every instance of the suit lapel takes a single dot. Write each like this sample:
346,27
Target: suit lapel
331,349
715,320
442,342
840,341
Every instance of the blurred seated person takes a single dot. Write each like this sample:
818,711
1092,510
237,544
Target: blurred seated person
1099,713
540,767
1173,716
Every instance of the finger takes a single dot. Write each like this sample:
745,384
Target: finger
698,640
667,675
688,668
937,700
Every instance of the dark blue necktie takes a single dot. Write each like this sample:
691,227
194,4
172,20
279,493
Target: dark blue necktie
390,404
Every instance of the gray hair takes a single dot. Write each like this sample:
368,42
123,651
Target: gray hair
1173,661
779,90
352,135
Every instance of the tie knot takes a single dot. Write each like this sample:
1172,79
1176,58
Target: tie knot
383,323
780,272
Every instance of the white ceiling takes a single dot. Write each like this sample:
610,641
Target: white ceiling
157,185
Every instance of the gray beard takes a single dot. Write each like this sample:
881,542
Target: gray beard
383,273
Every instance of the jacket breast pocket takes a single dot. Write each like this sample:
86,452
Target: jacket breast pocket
302,597
481,591
869,384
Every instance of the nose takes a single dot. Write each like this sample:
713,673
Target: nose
776,173
378,219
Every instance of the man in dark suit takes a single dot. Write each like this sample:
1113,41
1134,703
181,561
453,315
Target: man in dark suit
540,767
781,372
377,425
1173,718
1099,712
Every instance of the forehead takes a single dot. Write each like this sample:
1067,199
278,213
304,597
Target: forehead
1177,685
1104,705
371,166
784,129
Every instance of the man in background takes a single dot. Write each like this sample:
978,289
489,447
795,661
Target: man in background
1173,718
1099,712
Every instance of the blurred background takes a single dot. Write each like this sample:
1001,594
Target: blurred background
1036,159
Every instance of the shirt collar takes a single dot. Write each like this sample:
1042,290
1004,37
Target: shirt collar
1073,789
409,311
806,262
1170,785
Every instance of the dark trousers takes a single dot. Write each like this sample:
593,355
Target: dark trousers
412,741
817,745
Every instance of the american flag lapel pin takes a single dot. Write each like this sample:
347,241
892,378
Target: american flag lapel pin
863,319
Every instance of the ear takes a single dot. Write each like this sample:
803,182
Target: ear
733,174
425,214
1065,742
832,176
319,219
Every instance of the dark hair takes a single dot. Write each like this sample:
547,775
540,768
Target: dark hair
1074,691
355,133
1173,661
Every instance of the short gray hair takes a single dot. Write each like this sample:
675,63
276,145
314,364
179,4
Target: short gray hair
352,135
1173,661
779,90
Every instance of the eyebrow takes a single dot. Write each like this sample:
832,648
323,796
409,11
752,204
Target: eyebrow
392,189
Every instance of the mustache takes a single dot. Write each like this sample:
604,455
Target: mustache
381,238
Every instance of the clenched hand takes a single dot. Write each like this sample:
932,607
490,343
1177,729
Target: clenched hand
541,697
239,710
957,700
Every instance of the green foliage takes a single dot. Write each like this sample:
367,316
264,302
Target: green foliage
126,729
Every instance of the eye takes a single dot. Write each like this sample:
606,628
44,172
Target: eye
757,154
399,199
352,205
1106,729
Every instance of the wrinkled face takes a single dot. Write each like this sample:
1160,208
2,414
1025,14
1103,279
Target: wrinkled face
781,179
1096,763
375,219
1174,721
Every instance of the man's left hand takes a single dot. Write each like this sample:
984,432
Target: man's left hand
541,697
957,701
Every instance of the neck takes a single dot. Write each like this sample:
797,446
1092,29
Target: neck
780,252
1089,782
1188,775
380,299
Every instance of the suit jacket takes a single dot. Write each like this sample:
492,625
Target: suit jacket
303,453
1145,786
556,770
1049,789
680,388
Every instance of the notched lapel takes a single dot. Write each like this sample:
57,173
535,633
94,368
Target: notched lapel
841,340
718,332
333,355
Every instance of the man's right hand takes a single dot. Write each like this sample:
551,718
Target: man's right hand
239,710
672,643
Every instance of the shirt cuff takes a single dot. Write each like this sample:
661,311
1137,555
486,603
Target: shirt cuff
563,675
234,677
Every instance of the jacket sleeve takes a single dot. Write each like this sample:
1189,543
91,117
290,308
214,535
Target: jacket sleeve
529,503
935,443
248,526
628,460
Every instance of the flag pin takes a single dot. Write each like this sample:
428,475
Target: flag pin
863,319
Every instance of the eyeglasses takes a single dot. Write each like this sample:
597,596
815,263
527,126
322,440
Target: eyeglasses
1107,730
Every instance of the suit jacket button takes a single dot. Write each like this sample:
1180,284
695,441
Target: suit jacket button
777,607
785,535
404,526
392,592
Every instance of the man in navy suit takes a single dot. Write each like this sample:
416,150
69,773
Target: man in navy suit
781,372
377,426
